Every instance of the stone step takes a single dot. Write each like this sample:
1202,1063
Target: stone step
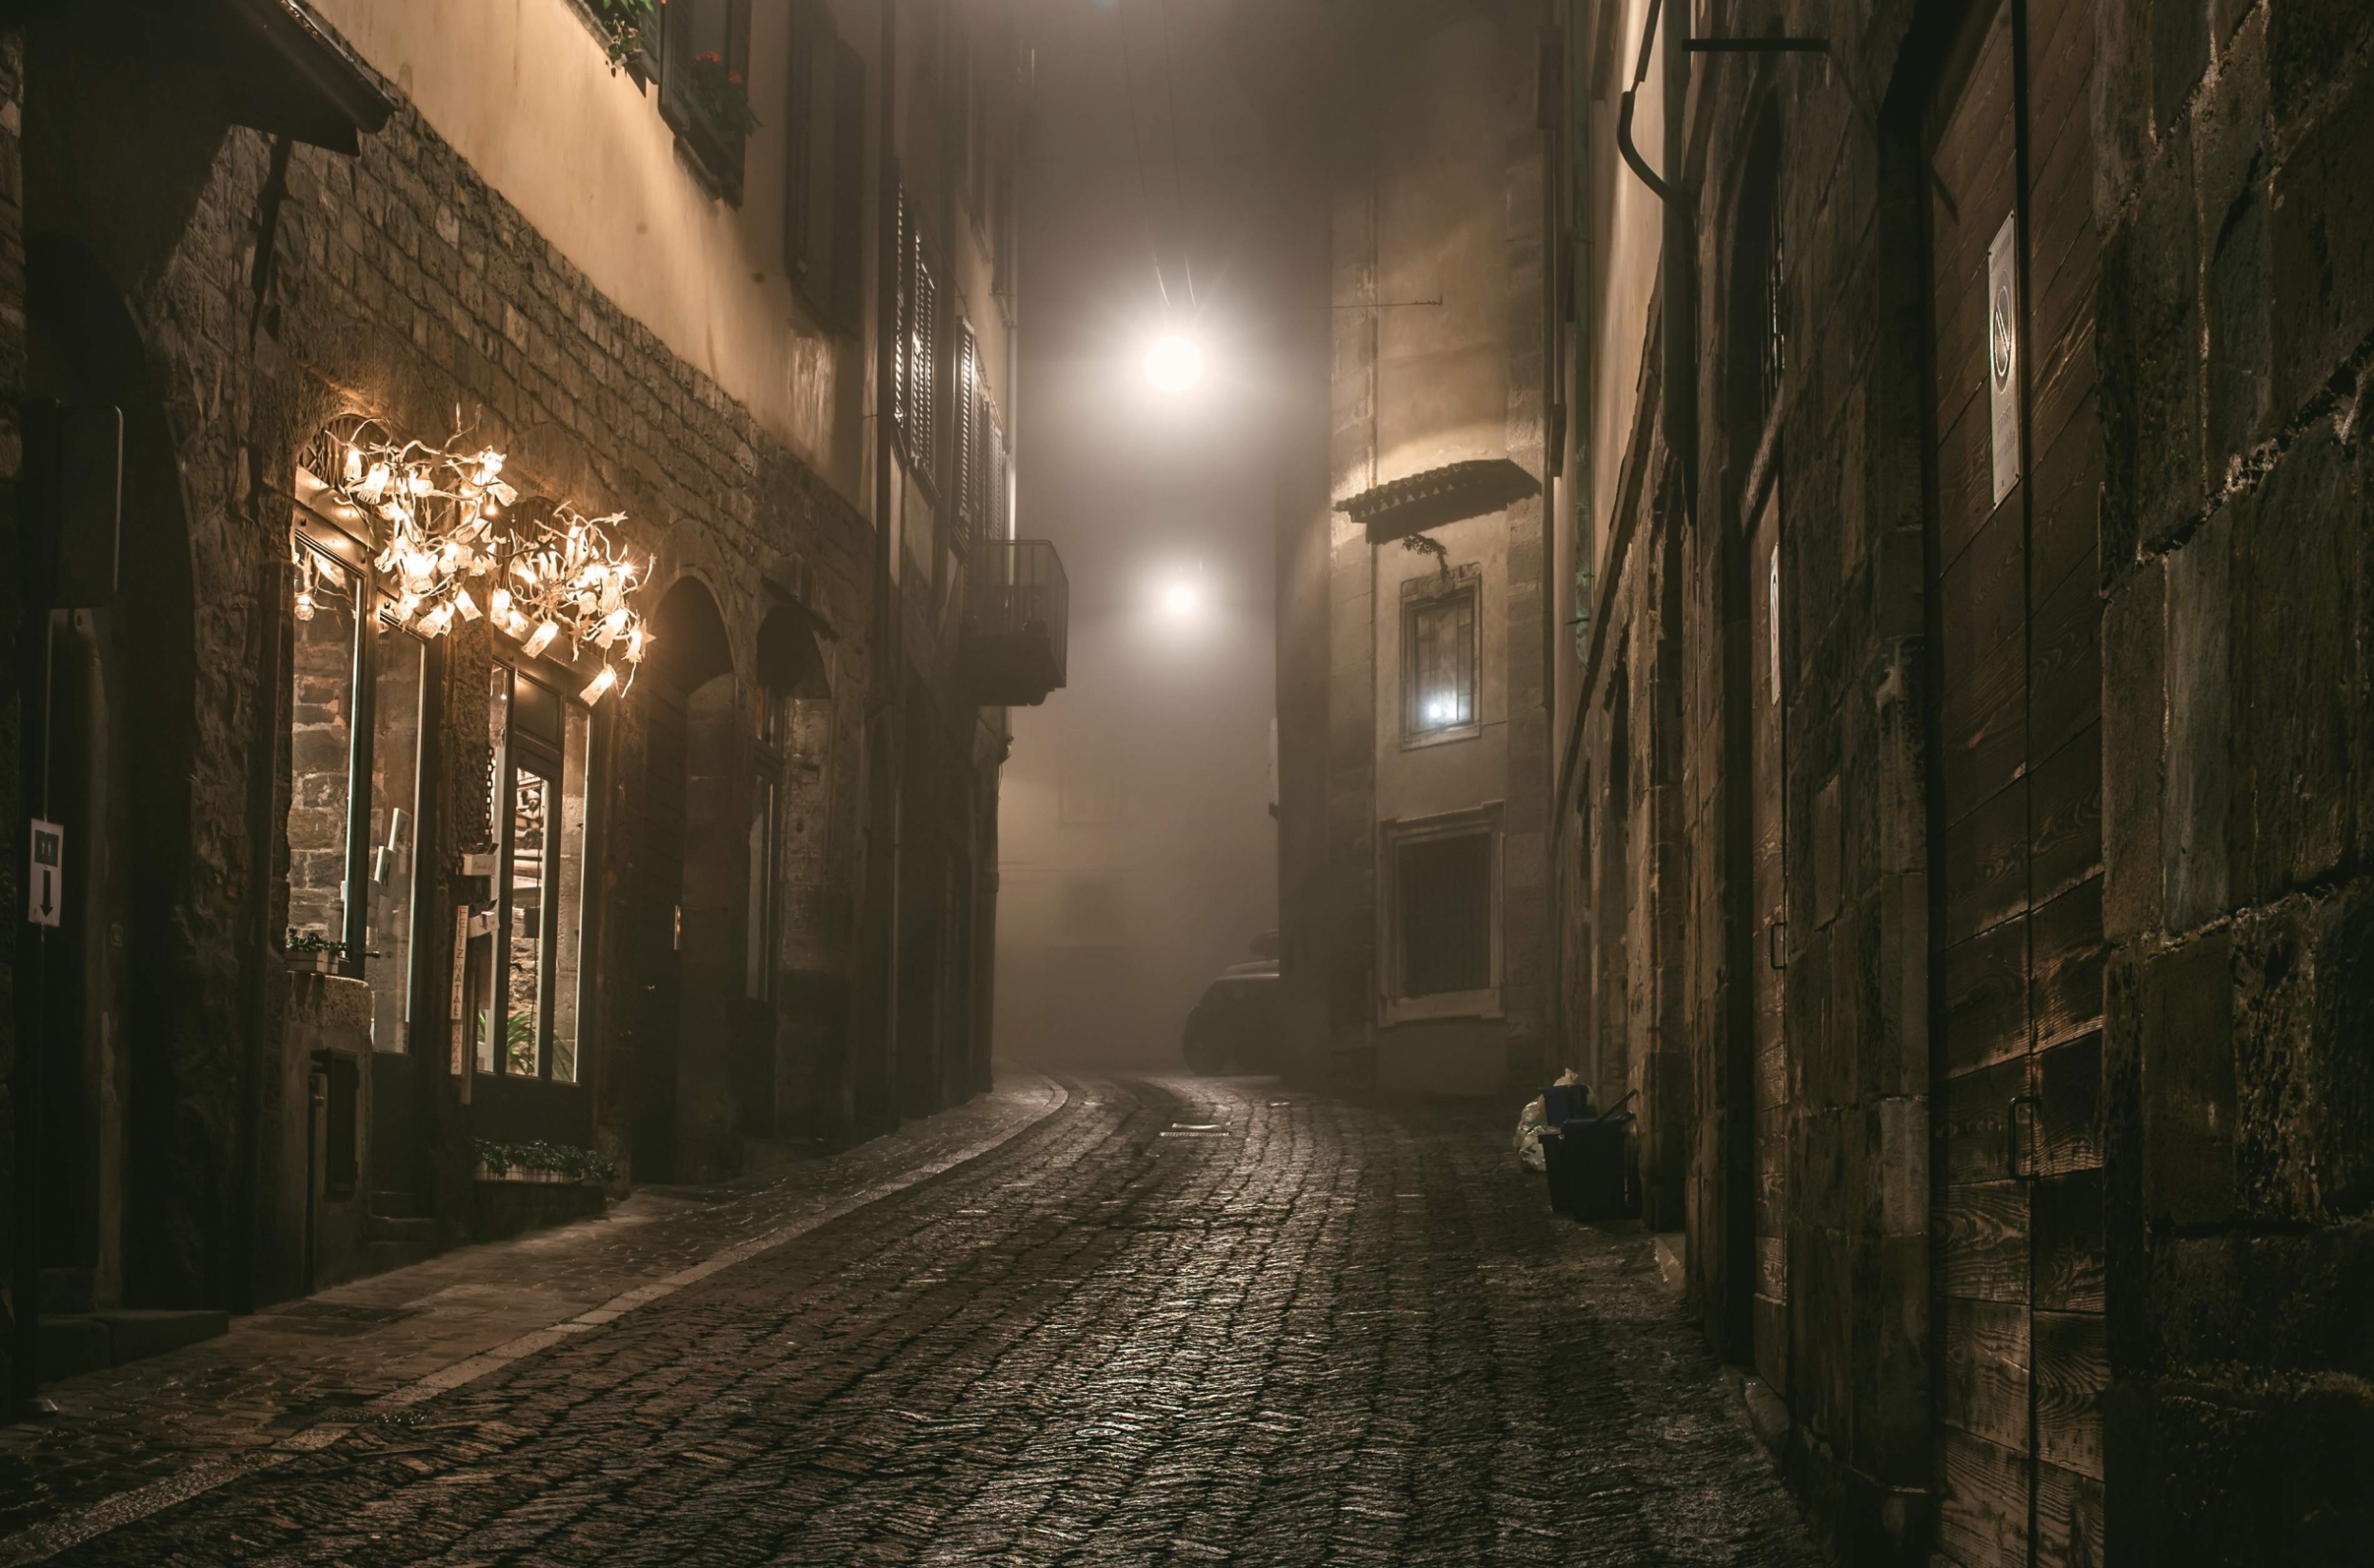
74,1342
394,1205
65,1291
404,1228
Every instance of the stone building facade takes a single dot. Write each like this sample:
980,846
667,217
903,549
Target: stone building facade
1963,508
1413,725
348,902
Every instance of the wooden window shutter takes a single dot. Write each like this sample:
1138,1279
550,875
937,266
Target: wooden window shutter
849,182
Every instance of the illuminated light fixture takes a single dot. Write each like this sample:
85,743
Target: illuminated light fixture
1174,364
463,602
596,687
303,610
1182,599
499,606
544,632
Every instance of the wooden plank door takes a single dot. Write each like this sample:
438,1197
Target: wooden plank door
2016,792
1767,965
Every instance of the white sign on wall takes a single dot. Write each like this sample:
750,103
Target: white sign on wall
45,880
2002,353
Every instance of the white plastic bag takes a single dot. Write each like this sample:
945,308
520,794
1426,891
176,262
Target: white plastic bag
1530,1125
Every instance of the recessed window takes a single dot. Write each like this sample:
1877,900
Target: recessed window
825,168
1444,915
704,85
915,390
1440,656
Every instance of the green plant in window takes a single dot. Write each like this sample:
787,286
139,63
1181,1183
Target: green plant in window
519,1044
568,1160
722,96
624,23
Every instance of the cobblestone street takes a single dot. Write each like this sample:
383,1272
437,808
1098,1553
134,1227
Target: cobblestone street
1105,1322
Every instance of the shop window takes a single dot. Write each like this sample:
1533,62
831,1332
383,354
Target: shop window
704,85
323,748
394,834
1440,656
1442,912
353,776
825,168
526,950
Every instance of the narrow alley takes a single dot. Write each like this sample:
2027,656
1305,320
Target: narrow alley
1093,1320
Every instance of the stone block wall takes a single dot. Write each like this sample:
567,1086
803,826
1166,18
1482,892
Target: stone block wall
2238,327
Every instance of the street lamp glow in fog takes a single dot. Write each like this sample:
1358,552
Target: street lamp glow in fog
1174,365
1182,600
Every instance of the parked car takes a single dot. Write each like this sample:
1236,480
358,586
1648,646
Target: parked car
1234,1028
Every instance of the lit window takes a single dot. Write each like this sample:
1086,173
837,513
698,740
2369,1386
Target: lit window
1439,655
523,958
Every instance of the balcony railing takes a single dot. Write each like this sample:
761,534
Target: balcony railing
1016,615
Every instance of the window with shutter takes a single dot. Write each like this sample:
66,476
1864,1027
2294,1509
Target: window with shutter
915,391
967,414
823,168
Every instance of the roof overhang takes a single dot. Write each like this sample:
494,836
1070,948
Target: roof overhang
285,71
1434,497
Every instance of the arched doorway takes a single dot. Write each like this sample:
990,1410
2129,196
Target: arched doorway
136,1209
689,904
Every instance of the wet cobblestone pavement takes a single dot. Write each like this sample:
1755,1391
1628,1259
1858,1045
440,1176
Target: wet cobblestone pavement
1143,1321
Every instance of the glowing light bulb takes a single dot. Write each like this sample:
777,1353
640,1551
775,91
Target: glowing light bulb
463,602
1173,365
1182,599
596,687
303,605
546,631
499,604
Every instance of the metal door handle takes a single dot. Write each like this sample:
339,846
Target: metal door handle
2022,1124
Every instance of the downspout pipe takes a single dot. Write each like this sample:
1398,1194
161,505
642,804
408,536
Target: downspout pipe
1679,318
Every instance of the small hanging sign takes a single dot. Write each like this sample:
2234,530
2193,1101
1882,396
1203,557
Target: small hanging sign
2003,353
44,884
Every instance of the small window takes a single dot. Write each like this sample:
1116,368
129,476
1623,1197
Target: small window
1443,887
704,85
1439,655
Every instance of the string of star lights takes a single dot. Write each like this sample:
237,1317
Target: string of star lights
565,573
443,518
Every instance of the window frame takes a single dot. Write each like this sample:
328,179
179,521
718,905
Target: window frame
1421,596
1396,1004
363,599
916,392
550,762
720,158
824,141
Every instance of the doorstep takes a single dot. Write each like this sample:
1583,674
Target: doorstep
72,1343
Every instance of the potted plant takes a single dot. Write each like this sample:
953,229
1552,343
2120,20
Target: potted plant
627,29
310,952
721,97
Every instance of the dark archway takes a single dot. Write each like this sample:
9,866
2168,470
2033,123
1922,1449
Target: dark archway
138,1172
690,881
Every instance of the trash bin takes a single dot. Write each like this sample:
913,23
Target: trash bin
1593,1154
1558,1158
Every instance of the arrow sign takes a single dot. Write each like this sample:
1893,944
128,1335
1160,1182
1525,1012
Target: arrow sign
45,886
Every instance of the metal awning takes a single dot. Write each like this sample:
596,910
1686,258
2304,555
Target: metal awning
1452,493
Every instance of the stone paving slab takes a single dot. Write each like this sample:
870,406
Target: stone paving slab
1171,1321
304,1364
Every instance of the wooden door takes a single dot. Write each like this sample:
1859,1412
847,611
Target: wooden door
659,928
1769,964
2015,796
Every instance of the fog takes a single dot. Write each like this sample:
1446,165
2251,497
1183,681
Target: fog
1136,853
